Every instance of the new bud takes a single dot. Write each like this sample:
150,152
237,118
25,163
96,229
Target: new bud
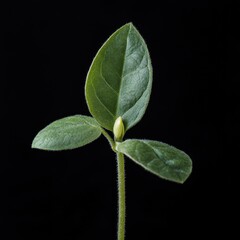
118,129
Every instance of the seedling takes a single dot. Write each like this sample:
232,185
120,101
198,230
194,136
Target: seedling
117,92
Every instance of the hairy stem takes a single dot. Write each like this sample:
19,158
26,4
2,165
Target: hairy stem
121,196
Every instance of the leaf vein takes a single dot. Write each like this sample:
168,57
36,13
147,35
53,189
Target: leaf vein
136,101
101,101
104,79
121,75
163,160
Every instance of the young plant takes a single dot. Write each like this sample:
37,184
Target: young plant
117,91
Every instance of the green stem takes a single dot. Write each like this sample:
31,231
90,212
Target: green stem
110,140
121,196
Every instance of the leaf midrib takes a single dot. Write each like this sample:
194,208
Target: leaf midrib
121,75
162,158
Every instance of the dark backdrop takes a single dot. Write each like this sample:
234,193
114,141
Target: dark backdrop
73,194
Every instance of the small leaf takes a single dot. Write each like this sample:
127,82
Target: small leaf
67,133
159,158
120,78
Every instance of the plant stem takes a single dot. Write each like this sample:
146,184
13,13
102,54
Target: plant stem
110,140
121,196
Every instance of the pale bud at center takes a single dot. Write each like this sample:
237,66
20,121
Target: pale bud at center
118,129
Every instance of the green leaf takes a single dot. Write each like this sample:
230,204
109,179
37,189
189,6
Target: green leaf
67,133
120,78
159,158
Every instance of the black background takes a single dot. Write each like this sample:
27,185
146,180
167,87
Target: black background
194,46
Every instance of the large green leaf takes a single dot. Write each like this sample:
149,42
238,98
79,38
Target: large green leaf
67,133
120,78
159,158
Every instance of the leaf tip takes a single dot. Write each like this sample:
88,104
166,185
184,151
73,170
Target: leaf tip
129,25
34,144
37,142
182,181
187,175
